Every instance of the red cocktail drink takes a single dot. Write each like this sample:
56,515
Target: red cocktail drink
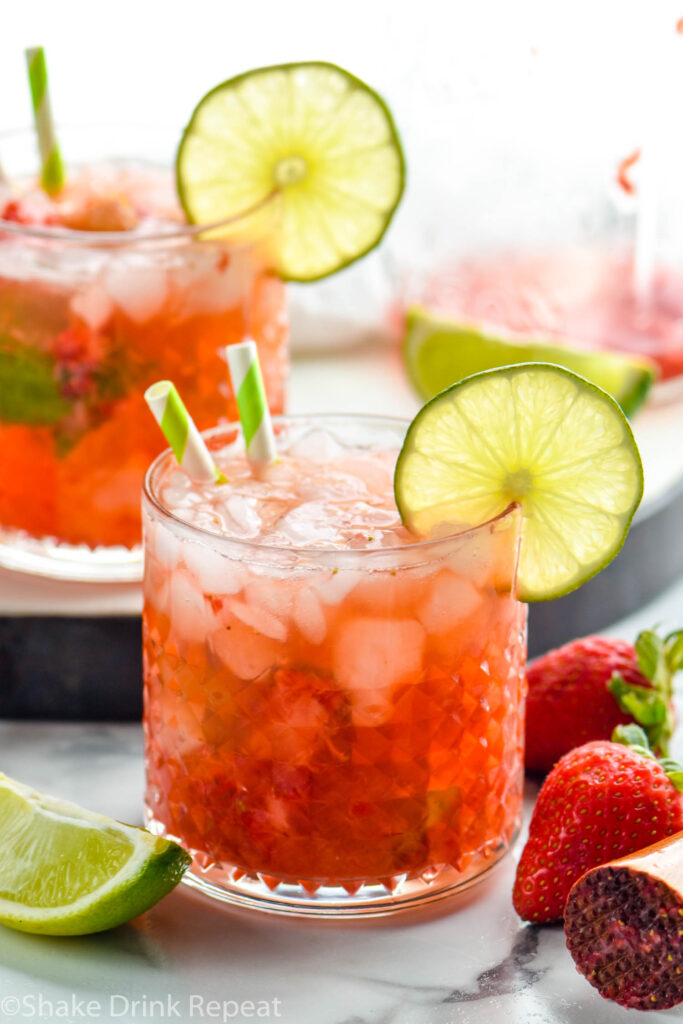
104,290
330,707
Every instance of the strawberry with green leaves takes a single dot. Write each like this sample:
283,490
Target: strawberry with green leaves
601,801
582,691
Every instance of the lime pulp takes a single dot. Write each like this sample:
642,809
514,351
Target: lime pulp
536,434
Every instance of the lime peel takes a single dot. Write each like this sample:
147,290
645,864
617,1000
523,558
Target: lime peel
534,433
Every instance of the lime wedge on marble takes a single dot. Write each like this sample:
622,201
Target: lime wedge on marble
440,352
533,434
68,871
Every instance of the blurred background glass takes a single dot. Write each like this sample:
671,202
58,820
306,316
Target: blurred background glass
515,117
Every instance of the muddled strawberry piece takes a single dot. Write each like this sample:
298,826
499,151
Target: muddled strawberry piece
78,352
13,211
35,208
77,343
287,774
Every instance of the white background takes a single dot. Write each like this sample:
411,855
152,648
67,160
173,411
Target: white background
514,115
521,97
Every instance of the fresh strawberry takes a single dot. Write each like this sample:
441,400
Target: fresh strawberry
602,800
582,691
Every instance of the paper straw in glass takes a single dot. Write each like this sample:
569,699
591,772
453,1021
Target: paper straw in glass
252,405
180,431
52,168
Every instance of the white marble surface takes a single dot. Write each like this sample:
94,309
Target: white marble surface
467,961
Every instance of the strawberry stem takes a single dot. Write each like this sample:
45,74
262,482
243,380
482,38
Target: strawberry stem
635,738
673,644
658,660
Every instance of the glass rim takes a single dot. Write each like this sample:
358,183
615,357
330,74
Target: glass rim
123,239
319,554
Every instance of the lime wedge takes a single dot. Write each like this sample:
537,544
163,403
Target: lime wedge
67,871
538,435
315,135
439,352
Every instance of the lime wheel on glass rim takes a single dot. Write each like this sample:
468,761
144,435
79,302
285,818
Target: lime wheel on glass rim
533,434
314,135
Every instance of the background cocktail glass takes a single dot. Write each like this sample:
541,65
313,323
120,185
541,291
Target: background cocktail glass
87,321
332,731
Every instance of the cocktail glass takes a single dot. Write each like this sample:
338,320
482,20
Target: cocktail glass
331,731
88,319
584,296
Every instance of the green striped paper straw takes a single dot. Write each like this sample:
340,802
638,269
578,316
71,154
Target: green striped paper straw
247,383
180,431
52,168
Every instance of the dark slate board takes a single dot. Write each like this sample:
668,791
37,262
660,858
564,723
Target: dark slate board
90,668
71,669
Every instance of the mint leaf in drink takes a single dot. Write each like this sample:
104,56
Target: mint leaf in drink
29,392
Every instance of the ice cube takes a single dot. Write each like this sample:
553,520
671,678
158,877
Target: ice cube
476,557
156,585
163,544
449,600
245,521
203,518
309,616
179,480
274,595
137,286
308,524
93,306
333,588
373,655
246,653
316,443
176,493
258,619
192,265
189,610
375,472
212,280
370,652
215,573
371,707
387,594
